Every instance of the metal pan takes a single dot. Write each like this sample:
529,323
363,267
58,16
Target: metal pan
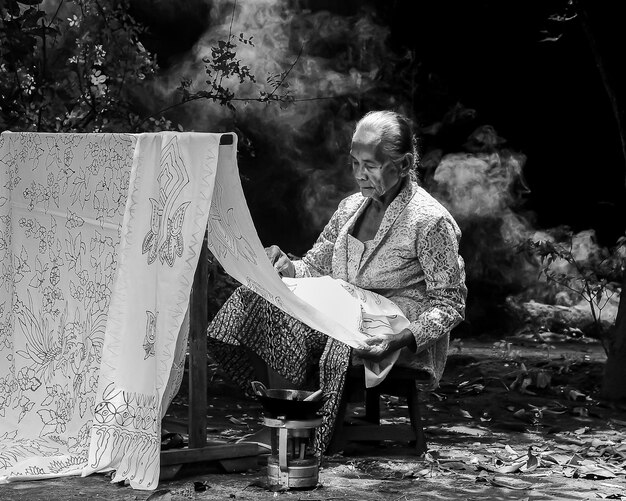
289,404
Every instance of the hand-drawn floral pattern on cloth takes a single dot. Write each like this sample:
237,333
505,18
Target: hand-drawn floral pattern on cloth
143,348
164,238
62,198
78,393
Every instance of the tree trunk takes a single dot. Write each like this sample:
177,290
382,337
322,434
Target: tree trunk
614,382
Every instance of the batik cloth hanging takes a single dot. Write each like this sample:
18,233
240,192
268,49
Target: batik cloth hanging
100,236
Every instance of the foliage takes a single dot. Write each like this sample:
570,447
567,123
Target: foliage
79,66
593,278
224,66
73,66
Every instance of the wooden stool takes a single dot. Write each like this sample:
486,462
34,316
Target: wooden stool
399,382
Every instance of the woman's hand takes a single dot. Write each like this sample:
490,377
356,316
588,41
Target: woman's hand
282,264
379,347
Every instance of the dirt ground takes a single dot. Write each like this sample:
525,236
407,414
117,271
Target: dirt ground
515,419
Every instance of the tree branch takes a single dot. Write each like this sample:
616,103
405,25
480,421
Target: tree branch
606,80
286,73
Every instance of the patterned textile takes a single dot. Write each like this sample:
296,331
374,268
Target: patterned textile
162,233
99,239
233,240
62,201
300,354
413,260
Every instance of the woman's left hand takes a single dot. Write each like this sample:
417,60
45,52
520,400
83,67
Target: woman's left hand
281,262
379,347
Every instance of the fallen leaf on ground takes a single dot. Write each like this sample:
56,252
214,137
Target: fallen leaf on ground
510,450
594,472
576,395
160,495
503,469
201,486
456,465
510,483
466,430
556,458
575,460
532,462
611,486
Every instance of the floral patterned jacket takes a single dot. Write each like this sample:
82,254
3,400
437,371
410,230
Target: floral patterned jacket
413,260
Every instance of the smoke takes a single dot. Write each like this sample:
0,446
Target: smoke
327,56
483,188
297,161
477,185
333,63
293,158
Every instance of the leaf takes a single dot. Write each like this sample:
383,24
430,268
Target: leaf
51,421
532,462
456,465
160,495
559,459
201,486
576,395
466,430
575,460
511,468
594,472
510,483
510,450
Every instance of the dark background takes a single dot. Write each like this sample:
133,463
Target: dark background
546,98
459,64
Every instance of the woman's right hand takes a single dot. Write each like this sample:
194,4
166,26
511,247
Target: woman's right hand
282,264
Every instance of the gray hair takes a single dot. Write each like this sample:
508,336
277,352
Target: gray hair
396,135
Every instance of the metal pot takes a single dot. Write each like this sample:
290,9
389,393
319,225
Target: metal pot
289,404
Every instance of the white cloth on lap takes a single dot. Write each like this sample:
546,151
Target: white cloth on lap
358,310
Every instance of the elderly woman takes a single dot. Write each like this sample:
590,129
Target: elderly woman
392,238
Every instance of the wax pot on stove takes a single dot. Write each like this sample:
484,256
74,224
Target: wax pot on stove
292,417
290,404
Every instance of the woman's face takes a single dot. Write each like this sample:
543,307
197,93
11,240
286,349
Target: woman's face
374,172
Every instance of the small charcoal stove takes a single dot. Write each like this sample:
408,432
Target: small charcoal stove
292,421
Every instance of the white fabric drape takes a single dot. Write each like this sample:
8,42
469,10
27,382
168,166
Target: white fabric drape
162,233
62,202
99,238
